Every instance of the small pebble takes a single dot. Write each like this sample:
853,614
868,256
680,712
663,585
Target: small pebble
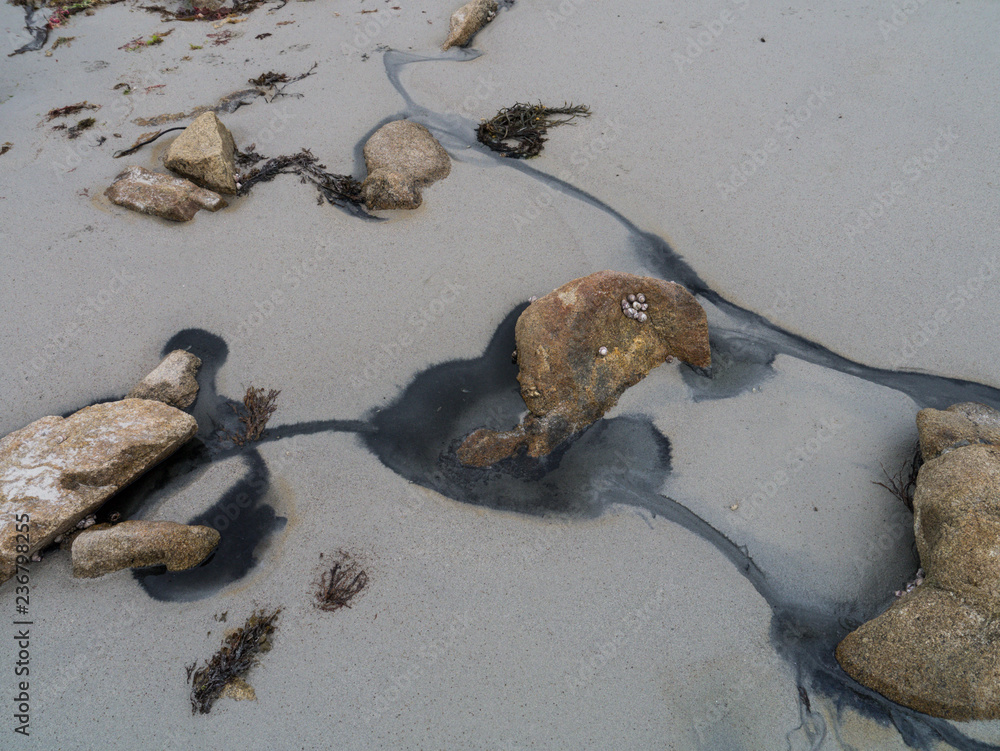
603,351
640,297
643,318
636,305
645,305
631,298
36,557
532,299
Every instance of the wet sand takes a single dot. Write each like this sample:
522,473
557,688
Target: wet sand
610,596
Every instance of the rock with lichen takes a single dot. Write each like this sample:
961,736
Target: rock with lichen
172,382
402,157
960,425
468,20
937,648
161,195
56,471
578,351
205,154
104,548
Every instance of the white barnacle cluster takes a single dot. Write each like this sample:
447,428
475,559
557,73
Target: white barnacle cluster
634,307
913,584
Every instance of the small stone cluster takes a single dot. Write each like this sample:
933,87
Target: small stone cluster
634,307
65,468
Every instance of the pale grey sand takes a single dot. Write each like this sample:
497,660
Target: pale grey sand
481,628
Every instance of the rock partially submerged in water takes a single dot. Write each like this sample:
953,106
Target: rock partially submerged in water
58,470
468,20
578,349
937,648
205,154
402,157
959,425
161,195
103,548
172,382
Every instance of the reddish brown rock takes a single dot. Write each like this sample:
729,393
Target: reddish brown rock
565,380
937,649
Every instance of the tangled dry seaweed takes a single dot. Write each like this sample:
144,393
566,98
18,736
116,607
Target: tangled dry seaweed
340,584
334,188
257,410
198,13
237,655
526,126
904,482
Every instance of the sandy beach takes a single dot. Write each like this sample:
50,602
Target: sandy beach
824,181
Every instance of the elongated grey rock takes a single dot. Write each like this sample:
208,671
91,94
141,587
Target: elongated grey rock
103,548
56,471
161,195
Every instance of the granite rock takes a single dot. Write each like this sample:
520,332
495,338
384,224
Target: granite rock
58,470
401,157
959,425
937,649
103,548
578,352
205,153
161,195
172,382
468,20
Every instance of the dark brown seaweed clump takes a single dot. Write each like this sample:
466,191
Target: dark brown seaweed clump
234,659
70,109
334,188
519,131
340,584
257,410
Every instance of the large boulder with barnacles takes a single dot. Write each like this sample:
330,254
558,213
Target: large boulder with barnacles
578,349
937,648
